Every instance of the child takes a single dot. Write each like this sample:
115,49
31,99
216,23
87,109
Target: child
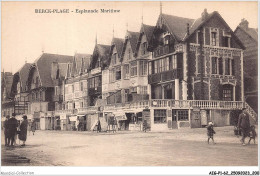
211,132
252,134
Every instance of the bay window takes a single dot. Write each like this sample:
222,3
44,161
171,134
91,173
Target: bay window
134,68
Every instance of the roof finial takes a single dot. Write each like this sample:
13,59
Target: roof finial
142,15
160,7
127,26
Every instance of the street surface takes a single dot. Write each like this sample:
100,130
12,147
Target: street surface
183,147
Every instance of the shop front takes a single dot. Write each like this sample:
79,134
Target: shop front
63,122
72,123
81,123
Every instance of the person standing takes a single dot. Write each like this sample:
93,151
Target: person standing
12,129
23,130
244,125
6,130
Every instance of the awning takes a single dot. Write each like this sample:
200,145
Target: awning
120,115
73,118
121,118
63,117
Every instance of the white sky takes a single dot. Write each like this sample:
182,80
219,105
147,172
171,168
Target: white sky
25,33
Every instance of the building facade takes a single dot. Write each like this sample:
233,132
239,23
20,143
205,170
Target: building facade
180,73
249,37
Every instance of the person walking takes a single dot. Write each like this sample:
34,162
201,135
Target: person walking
6,130
244,125
33,127
23,130
210,132
12,129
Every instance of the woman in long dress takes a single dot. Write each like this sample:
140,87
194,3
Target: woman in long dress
23,130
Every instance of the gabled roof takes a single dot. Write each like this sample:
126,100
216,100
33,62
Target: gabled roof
132,37
177,25
103,52
146,30
43,65
252,32
118,43
23,75
80,63
199,22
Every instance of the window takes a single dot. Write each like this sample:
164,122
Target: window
220,66
227,93
183,115
56,90
112,75
160,116
91,82
229,67
174,62
134,68
214,65
200,64
144,48
97,81
129,54
81,86
114,58
226,42
133,90
213,38
118,73
166,39
143,68
143,90
126,71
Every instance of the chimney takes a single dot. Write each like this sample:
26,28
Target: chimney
244,24
204,15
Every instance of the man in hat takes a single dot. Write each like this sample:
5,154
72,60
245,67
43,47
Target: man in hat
6,130
244,125
13,124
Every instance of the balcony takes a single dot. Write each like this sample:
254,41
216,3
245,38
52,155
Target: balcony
88,110
66,111
183,104
95,71
165,76
58,98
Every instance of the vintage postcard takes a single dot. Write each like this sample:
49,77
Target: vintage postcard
152,83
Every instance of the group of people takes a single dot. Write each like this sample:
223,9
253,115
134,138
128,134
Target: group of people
12,129
243,125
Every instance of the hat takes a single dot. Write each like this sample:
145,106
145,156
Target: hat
13,114
7,116
210,123
24,117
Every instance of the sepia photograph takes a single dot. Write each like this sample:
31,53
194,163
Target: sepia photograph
116,84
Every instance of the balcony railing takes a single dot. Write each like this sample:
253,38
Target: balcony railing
184,104
165,76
